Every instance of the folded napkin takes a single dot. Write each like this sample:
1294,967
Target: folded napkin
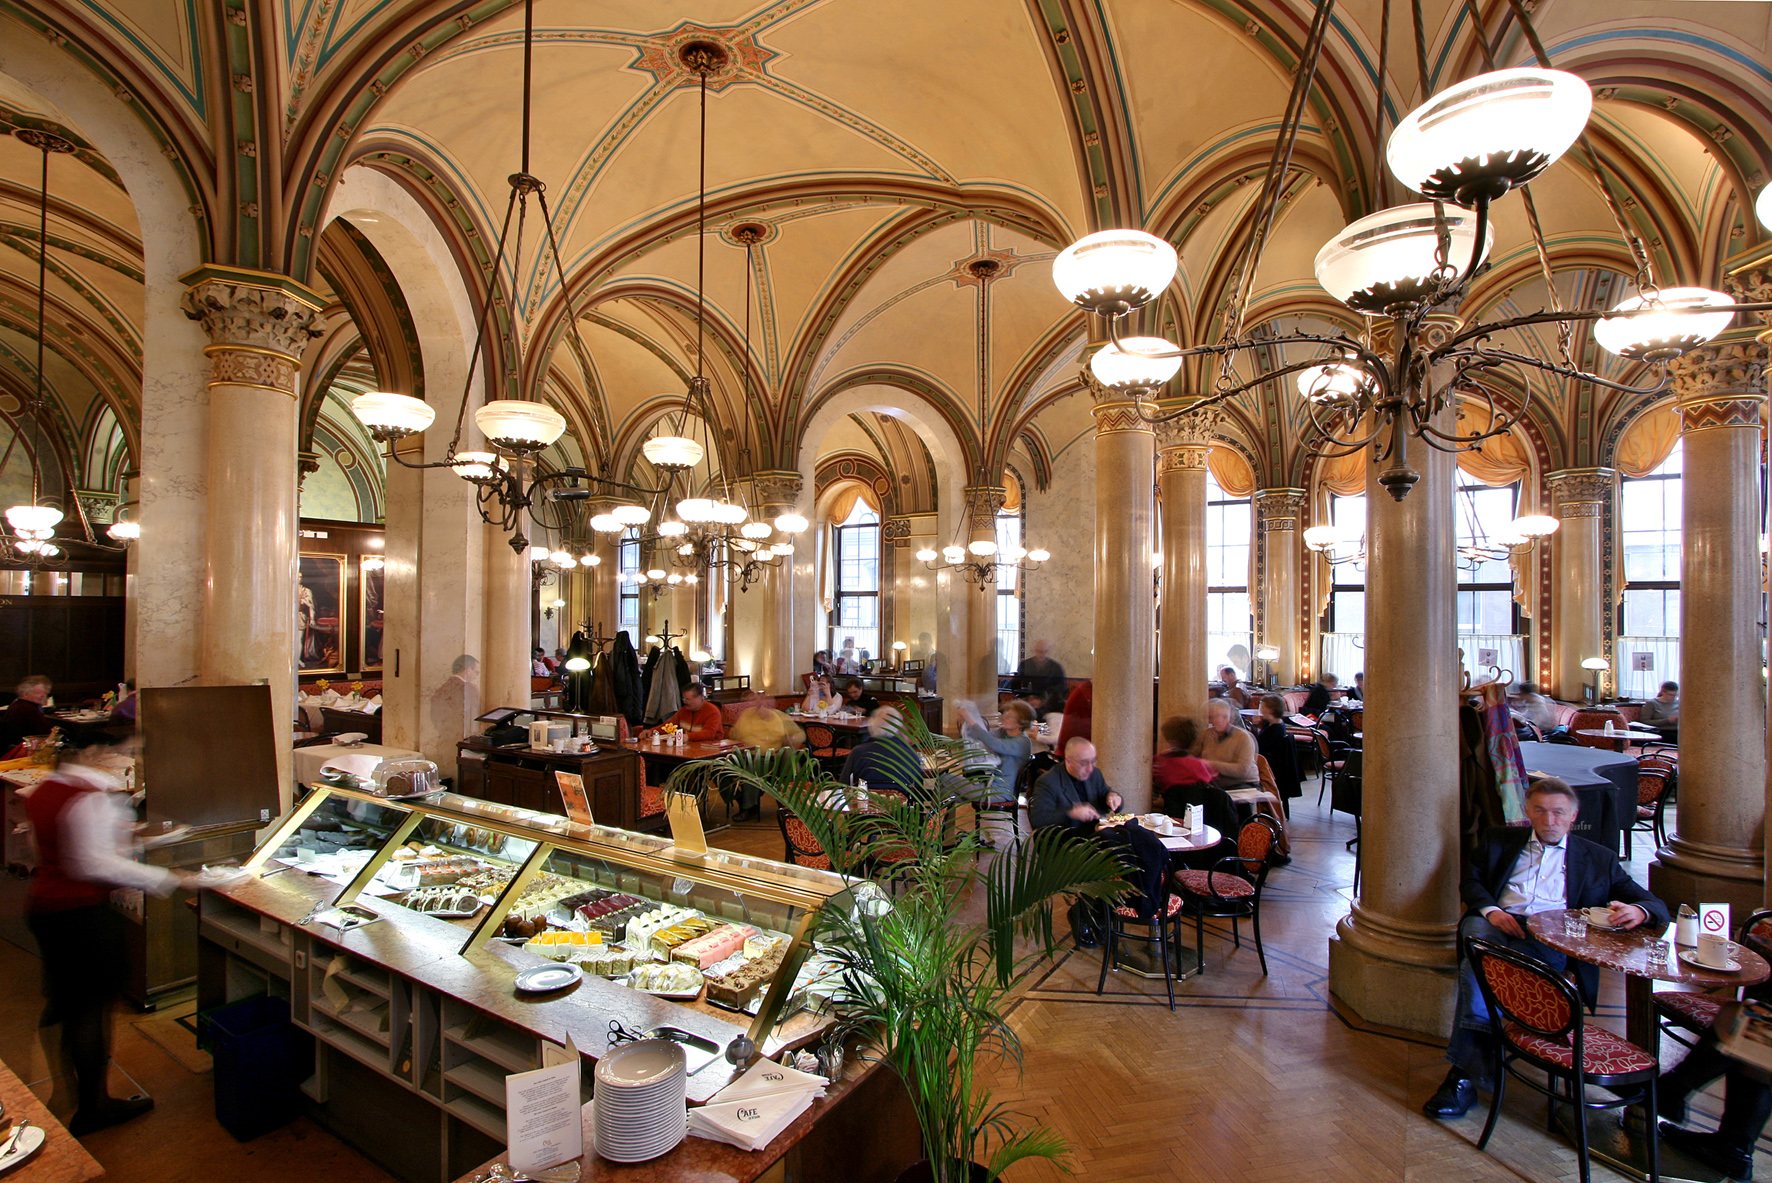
752,1110
370,708
376,699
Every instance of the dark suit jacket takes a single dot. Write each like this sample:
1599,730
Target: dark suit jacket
1057,792
1592,876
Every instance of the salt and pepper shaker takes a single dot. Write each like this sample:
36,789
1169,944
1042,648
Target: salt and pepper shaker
1686,926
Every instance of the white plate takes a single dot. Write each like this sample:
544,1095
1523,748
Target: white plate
1690,957
29,1142
640,1063
543,978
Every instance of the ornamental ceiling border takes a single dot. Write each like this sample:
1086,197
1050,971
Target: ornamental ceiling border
115,377
126,334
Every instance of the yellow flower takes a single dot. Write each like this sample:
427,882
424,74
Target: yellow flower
321,685
356,688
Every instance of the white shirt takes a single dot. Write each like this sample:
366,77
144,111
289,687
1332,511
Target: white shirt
1538,882
98,837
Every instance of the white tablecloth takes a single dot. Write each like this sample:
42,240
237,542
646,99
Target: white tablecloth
309,761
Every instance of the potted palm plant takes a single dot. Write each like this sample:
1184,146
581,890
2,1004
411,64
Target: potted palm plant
928,944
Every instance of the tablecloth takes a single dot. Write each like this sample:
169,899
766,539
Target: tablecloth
1605,782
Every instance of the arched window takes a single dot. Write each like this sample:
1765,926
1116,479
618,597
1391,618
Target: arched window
1009,602
628,562
1230,624
1647,652
855,608
1489,632
1344,645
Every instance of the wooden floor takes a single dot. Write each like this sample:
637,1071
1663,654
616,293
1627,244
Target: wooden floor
1251,1077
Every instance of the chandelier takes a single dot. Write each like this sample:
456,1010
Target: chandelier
979,560
1462,149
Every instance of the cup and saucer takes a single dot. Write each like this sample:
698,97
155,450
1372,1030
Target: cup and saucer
1712,953
1600,918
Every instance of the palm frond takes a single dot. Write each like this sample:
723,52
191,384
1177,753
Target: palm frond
1019,891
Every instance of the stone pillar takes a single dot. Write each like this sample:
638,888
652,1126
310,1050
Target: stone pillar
1278,512
1579,497
1717,850
258,324
130,509
1125,608
763,643
913,584
982,504
1393,957
1183,448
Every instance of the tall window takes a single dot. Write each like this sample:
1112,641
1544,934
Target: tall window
1008,594
1488,618
628,561
856,613
1229,622
1344,645
1648,649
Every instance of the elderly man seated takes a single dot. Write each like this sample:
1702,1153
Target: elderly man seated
698,718
884,760
1073,795
1516,873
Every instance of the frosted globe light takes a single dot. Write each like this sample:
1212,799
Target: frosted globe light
562,558
1039,554
33,517
477,466
742,545
1333,381
1014,554
652,639
539,552
655,574
692,577
631,515
782,549
686,549
696,509
729,513
391,416
374,563
701,655
1489,134
791,523
1682,321
926,555
1320,538
605,523
1595,663
557,604
519,426
671,528
1114,271
954,554
1534,525
1131,368
673,579
577,665
29,546
589,560
125,531
672,452
1387,259
982,547
756,530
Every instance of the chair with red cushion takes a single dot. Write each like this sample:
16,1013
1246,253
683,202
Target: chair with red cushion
1591,720
1655,786
803,847
1165,917
821,742
1331,761
1680,1014
1232,888
1537,1021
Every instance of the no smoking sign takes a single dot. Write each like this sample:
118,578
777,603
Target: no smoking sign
1714,919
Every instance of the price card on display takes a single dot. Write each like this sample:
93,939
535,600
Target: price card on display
1488,657
1642,661
1713,919
684,811
543,1123
572,791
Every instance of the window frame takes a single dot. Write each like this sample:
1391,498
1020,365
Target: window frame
1218,499
840,533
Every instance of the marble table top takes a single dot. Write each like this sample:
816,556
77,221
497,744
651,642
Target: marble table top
1628,953
60,1159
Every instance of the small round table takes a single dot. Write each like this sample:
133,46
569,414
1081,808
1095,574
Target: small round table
1623,735
1628,953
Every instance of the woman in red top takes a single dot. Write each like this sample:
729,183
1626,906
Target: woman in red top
1078,711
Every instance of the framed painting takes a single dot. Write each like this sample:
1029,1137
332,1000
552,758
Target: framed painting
371,570
320,615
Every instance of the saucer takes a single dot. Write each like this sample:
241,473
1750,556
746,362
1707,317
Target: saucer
1690,957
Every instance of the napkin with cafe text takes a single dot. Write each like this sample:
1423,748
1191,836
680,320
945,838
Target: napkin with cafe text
752,1110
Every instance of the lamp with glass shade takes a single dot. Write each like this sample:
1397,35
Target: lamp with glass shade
578,665
390,416
756,530
631,515
1667,323
1135,363
1534,525
606,523
590,560
926,555
125,531
1489,134
728,513
519,427
538,552
561,558
671,528
954,554
478,467
696,509
791,523
1113,272
982,547
1333,382
673,453
33,517
1388,259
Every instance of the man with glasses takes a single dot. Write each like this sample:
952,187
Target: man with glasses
1073,795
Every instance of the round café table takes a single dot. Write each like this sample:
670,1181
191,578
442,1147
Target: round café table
1627,952
1624,735
1138,959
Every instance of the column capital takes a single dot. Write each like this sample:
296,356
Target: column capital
776,490
99,505
259,324
1187,442
1581,492
1279,509
1113,411
983,503
1752,285
1721,385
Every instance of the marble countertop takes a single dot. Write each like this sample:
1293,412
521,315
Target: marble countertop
61,1159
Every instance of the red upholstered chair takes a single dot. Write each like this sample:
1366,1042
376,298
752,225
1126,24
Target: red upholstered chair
803,848
1537,1020
1232,888
1684,1014
1655,788
821,742
1584,720
1163,927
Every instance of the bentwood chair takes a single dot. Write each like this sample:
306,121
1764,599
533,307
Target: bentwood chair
1163,928
1537,1020
803,847
1232,888
1684,1016
821,742
1655,786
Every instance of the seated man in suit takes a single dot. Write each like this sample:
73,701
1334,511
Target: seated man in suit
1516,873
1074,795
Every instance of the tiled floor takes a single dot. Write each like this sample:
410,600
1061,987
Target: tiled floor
1251,1078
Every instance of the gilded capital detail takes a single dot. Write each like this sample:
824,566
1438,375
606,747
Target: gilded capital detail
1114,412
776,491
258,331
1720,385
1581,492
1279,509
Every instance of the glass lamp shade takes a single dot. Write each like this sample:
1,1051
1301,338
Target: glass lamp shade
655,574
954,554
692,578
589,561
631,515
519,426
982,547
374,564
125,531
1332,382
577,665
791,523
701,655
29,546
899,646
1595,663
926,555
782,549
562,558
33,517
1534,525
742,545
686,549
652,639
672,451
1114,271
1320,538
1039,554
673,579
1131,369
1268,653
557,604
392,416
538,552
671,528
1387,259
1490,134
728,513
1682,321
1014,554
476,466
756,530
696,509
605,523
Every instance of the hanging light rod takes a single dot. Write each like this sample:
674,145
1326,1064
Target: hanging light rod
1463,149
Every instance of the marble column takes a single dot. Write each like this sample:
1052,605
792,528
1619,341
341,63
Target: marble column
763,643
1278,514
913,584
1125,609
1753,282
1717,849
130,510
1393,957
1183,447
982,504
1579,497
258,324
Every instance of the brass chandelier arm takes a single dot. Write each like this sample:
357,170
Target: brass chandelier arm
1489,328
1344,447
1486,358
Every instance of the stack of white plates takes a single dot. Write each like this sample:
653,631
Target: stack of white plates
639,1106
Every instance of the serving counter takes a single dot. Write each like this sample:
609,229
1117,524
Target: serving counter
417,1019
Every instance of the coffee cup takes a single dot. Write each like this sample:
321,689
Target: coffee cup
1713,950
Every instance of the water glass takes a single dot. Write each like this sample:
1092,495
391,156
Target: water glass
1574,925
1657,954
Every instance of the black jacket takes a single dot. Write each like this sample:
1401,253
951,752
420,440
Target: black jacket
1593,877
1057,792
1275,743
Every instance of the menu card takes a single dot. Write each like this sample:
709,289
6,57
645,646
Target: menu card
684,813
572,791
544,1126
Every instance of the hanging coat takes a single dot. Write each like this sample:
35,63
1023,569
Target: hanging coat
664,697
600,699
648,675
624,671
682,668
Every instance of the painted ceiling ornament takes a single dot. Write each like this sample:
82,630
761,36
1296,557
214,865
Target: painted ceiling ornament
966,274
662,55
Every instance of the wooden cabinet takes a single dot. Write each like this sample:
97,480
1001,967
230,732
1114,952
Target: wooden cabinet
525,778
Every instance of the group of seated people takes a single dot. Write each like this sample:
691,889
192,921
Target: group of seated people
24,717
1661,712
